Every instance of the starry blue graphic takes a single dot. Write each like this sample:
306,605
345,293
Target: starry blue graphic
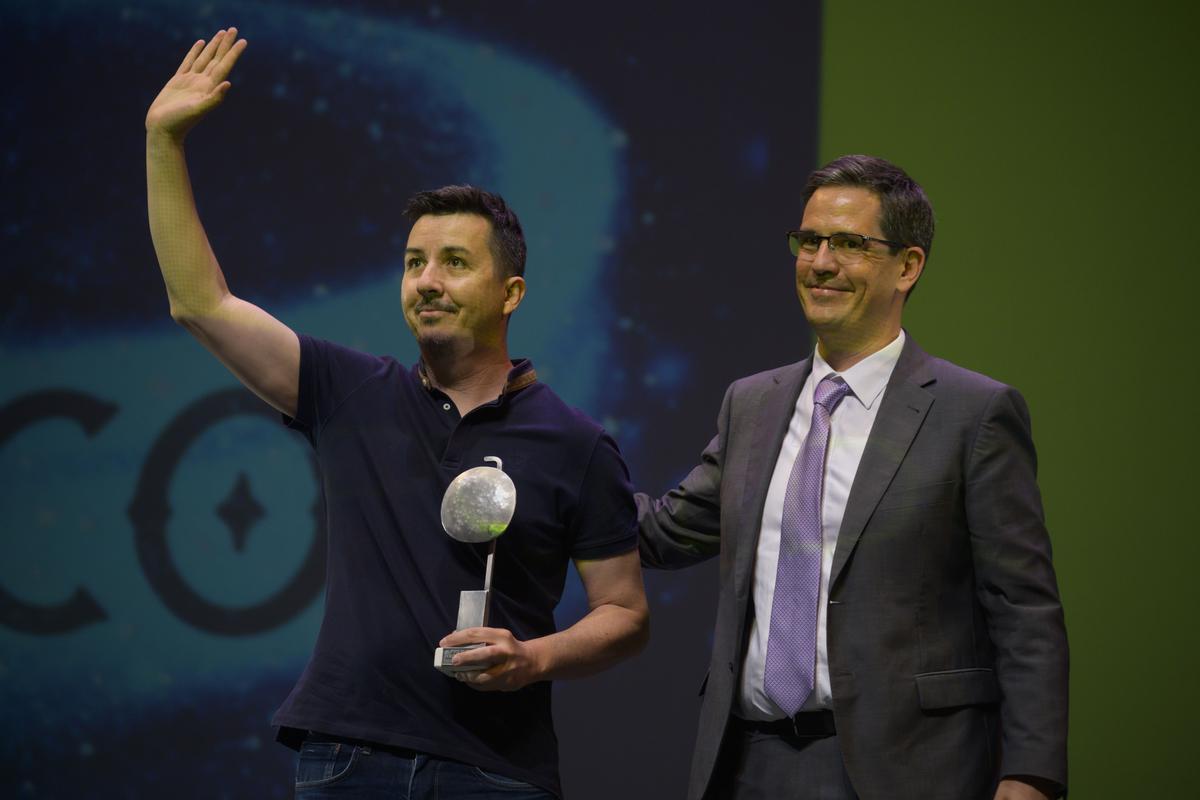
629,151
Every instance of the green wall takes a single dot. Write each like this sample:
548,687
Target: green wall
1059,145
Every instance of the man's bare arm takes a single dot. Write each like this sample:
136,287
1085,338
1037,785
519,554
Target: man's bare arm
260,350
616,627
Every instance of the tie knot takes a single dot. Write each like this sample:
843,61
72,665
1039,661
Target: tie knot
830,392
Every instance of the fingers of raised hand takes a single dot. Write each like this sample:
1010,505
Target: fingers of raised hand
206,55
190,58
223,64
226,42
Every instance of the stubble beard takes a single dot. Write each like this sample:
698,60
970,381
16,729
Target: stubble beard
438,343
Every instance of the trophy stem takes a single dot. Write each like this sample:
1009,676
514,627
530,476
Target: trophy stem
487,575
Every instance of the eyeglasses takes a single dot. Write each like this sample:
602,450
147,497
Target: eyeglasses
844,247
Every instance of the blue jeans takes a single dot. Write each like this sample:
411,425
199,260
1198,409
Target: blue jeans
327,770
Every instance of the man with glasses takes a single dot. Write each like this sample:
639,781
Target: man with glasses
888,624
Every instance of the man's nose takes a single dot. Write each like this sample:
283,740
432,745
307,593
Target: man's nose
824,260
428,281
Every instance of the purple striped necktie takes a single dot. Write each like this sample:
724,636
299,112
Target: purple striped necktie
792,640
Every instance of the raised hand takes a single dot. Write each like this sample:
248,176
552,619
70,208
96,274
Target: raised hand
197,87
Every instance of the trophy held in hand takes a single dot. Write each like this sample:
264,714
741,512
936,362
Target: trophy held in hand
476,508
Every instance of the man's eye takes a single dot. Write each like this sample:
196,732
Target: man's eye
812,243
848,242
455,261
413,263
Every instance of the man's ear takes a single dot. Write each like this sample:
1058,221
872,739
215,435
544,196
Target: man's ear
514,292
911,269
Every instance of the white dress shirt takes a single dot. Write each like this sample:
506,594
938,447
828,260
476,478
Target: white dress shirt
850,426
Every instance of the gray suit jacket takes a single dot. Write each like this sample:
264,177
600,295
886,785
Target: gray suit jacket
947,648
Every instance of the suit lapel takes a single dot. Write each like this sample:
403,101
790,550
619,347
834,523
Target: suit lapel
904,407
770,417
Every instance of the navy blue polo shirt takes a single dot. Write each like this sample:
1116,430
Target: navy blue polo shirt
388,445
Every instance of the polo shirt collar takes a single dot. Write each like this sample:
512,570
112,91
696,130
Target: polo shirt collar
520,376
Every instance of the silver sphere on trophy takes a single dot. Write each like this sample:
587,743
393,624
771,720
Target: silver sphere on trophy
477,507
479,504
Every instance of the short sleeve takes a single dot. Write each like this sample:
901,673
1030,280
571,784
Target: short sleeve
329,373
605,522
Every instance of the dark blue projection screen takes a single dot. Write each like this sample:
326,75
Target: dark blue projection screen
162,560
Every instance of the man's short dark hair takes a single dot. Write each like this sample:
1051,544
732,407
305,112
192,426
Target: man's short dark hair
905,213
507,242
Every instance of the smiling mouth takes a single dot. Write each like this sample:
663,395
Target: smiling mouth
824,288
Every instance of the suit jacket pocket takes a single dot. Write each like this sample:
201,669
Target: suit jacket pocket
923,495
957,687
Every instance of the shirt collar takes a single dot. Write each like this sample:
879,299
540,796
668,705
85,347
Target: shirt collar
868,378
520,376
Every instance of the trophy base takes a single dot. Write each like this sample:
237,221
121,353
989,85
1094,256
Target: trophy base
443,658
472,613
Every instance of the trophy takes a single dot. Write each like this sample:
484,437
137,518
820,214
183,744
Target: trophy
476,508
